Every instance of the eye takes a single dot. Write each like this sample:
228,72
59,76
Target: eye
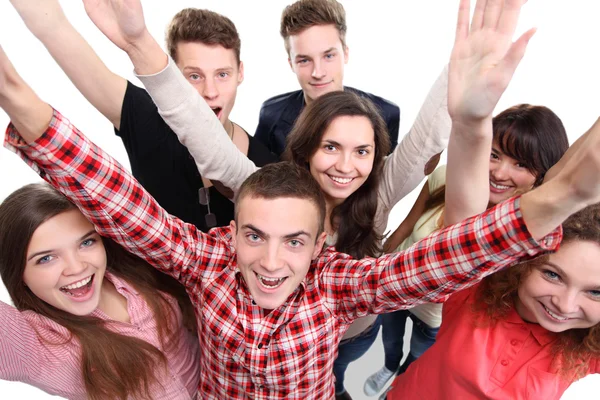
363,152
494,156
253,237
329,56
302,61
595,294
88,242
194,77
551,275
329,147
45,259
223,75
521,165
295,243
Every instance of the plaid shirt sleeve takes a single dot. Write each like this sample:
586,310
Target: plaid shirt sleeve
116,203
447,261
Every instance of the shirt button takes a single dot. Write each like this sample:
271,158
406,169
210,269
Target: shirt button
514,342
260,345
504,363
253,303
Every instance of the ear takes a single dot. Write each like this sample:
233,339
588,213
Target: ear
319,245
241,73
233,229
346,54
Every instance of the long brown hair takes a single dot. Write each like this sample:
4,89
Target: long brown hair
496,296
112,365
354,218
533,135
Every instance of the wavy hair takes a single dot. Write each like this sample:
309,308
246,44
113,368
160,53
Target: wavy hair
113,366
353,219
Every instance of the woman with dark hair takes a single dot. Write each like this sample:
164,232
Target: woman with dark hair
527,141
528,332
91,321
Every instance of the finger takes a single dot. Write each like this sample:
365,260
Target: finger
515,54
492,12
509,17
462,24
477,21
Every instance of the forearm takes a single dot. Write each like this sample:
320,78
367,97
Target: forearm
100,86
467,171
404,168
25,109
197,128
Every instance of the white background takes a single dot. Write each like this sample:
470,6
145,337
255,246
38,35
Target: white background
397,48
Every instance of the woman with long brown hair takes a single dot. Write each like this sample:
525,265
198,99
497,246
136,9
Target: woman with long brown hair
90,320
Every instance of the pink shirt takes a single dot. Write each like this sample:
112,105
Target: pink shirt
27,355
509,360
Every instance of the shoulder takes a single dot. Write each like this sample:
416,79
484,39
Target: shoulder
389,108
276,104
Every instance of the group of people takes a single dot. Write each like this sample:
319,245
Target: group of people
234,266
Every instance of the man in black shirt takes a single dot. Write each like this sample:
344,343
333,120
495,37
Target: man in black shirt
314,34
206,47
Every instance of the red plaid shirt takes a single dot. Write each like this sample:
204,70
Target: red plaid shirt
289,352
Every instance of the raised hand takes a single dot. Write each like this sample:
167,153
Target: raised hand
121,21
484,58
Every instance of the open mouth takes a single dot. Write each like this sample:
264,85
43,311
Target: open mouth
340,181
270,283
217,111
554,316
498,186
79,288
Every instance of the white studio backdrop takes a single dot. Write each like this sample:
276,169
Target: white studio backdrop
397,49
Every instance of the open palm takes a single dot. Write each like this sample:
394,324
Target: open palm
121,21
484,58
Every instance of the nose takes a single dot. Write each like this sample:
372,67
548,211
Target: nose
210,90
566,302
318,70
74,265
271,260
500,171
344,163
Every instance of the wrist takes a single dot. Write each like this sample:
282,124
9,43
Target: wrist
146,55
472,129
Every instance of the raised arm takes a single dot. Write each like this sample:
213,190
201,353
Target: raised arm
104,191
180,105
482,63
100,86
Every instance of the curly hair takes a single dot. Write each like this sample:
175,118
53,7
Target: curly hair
496,295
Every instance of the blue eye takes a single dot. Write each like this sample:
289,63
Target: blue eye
88,242
44,259
253,237
551,275
295,243
595,294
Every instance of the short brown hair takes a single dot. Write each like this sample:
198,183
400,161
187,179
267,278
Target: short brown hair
204,26
304,14
283,179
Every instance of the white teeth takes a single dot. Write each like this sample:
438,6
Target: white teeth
341,180
555,315
270,282
499,187
78,284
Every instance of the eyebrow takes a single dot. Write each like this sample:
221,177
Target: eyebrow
39,253
564,274
333,142
192,68
265,235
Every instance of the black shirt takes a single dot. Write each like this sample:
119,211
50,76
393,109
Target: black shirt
278,114
165,167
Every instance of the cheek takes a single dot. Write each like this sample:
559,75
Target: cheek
525,180
365,167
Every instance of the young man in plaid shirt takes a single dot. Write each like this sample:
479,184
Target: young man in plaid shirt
271,305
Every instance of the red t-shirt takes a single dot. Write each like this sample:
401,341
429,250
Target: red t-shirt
510,360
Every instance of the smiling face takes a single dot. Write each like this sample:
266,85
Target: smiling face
214,72
508,177
564,292
344,158
65,263
275,241
317,57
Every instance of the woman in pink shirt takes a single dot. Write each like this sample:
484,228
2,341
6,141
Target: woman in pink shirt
90,320
524,333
